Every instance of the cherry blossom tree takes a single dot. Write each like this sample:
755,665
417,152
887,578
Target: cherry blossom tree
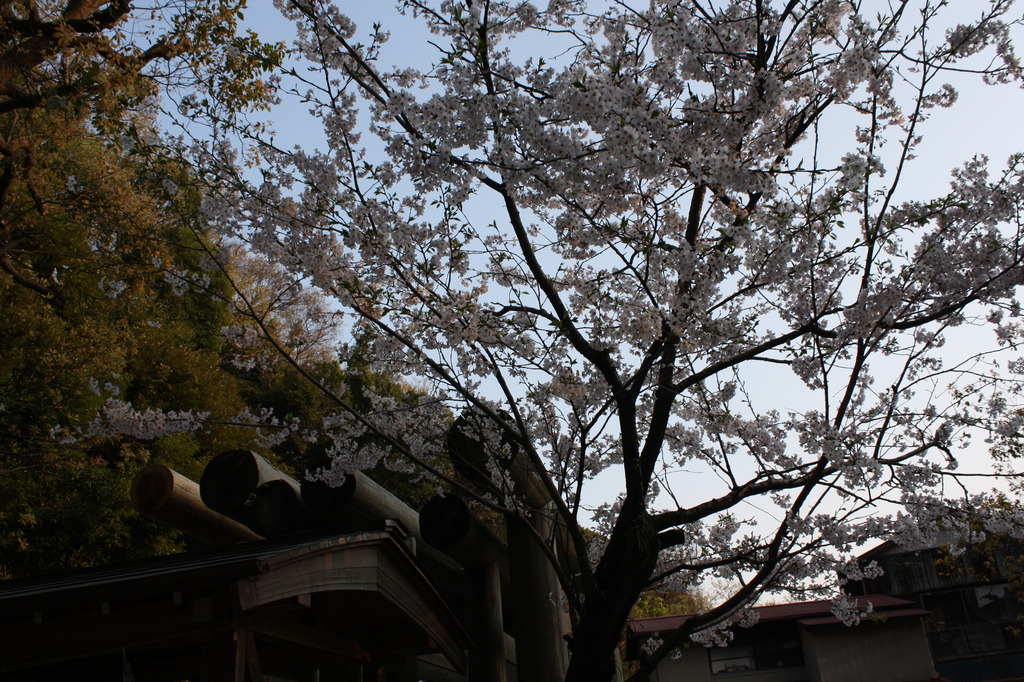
665,245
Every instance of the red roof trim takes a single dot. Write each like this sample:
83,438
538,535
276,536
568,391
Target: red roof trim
795,611
894,613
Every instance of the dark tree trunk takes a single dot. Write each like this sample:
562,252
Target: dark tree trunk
627,565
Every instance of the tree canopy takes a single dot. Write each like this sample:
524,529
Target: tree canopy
90,325
600,230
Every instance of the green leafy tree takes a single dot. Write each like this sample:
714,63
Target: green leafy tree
89,323
110,309
282,348
670,603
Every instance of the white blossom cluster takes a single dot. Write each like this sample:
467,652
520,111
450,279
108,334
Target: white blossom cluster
411,425
719,634
112,288
119,418
650,645
848,611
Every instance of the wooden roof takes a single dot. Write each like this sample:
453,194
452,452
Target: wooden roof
285,606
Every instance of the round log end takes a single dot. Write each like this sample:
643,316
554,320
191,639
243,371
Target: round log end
152,487
444,521
276,509
228,481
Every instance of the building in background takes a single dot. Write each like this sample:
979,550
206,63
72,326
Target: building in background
975,621
338,607
802,642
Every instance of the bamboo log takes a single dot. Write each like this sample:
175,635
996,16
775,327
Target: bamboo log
231,478
166,496
276,509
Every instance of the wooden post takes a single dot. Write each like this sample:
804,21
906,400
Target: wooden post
486,618
449,525
539,618
252,657
469,457
224,658
166,496
399,669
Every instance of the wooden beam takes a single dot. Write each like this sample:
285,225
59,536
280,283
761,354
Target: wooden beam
356,500
296,634
224,660
447,523
359,499
166,496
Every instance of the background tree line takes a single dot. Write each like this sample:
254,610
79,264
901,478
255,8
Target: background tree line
113,294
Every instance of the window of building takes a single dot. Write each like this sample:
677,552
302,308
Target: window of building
972,620
764,647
